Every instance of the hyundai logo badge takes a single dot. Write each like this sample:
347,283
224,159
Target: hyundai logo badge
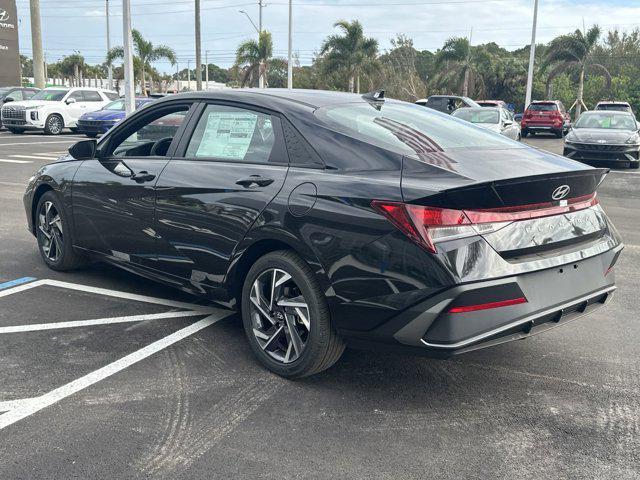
561,192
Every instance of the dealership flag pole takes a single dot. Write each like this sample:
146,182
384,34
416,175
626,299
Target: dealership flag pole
290,56
129,86
36,44
532,55
109,67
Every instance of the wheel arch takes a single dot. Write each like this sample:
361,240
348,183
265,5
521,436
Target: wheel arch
37,195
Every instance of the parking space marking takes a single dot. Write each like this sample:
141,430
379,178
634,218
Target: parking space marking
625,172
98,321
17,281
71,140
109,293
6,160
27,408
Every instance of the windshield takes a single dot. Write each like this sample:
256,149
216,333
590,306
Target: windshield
117,105
408,128
52,95
542,107
606,120
475,115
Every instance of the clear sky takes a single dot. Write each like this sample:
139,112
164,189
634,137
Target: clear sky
80,24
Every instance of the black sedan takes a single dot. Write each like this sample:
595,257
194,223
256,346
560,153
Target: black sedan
603,136
330,219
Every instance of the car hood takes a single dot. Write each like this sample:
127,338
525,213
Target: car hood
599,135
31,103
105,115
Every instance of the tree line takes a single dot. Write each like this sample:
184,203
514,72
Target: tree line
579,68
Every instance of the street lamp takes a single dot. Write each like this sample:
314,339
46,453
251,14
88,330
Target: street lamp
259,30
252,23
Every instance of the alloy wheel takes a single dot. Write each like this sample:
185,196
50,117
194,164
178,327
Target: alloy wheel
55,126
280,315
50,226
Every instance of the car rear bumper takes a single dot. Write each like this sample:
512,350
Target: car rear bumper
554,297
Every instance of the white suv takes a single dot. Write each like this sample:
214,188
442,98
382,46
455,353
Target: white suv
54,108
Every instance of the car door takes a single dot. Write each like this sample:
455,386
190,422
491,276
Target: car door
224,175
114,194
75,107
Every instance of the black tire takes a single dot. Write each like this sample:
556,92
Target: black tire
17,131
323,346
53,125
635,164
73,129
91,135
559,134
68,259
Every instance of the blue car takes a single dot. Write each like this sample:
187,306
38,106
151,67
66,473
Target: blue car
93,124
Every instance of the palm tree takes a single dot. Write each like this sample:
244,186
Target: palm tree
146,53
253,57
351,53
458,63
575,52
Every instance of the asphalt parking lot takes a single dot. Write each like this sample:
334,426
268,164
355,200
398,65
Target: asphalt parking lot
105,375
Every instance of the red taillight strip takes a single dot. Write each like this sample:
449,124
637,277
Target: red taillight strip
487,306
527,212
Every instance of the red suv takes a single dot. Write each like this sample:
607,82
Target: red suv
546,116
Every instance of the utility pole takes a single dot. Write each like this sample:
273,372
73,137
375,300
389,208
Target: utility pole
109,67
189,75
177,78
206,71
198,49
129,85
260,76
532,55
290,57
36,44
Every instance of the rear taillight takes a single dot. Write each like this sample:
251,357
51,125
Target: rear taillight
427,226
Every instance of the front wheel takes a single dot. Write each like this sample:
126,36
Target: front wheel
286,317
54,235
53,125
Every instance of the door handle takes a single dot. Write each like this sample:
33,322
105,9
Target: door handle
254,180
142,177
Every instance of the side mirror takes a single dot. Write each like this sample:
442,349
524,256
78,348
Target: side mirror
507,123
84,150
69,101
7,99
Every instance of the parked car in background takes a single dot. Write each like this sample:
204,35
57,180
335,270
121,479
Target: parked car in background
96,123
499,120
16,94
492,103
518,117
446,103
605,136
547,116
328,218
54,108
615,106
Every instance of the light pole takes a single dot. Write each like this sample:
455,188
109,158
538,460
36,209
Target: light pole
198,49
36,44
109,67
259,30
206,71
129,87
290,57
532,55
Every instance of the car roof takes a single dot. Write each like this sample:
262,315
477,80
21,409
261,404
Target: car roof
612,102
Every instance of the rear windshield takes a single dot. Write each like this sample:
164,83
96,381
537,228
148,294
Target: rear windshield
614,107
53,95
543,107
409,129
475,115
606,120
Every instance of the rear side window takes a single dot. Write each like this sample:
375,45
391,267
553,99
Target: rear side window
77,96
543,107
233,134
91,96
111,95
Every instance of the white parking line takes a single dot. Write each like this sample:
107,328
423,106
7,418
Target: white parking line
31,406
625,172
36,327
71,140
6,160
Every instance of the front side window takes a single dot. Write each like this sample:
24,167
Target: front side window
410,129
91,96
233,134
50,95
77,96
16,95
154,138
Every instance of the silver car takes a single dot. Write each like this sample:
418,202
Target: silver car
498,119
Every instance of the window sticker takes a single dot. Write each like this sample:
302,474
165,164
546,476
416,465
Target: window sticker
227,135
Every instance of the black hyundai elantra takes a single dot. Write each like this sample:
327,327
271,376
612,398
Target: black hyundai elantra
330,219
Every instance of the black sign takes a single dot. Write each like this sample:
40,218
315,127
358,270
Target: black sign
9,52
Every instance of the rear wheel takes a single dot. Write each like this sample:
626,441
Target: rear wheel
559,134
286,317
91,135
54,236
54,124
